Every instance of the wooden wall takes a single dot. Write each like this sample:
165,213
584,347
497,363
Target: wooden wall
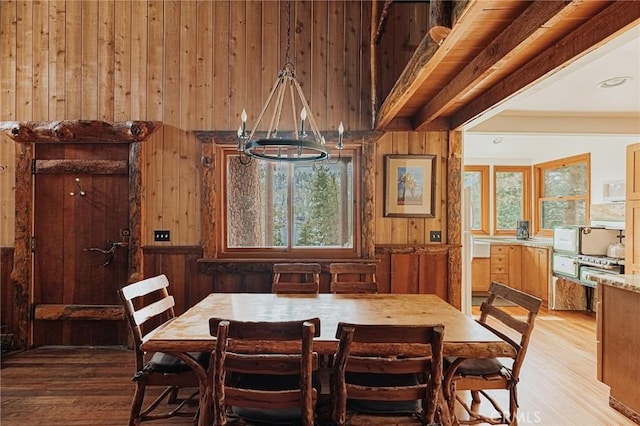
194,65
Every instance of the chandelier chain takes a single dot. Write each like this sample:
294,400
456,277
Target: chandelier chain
287,56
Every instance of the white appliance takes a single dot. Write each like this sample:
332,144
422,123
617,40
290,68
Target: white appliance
583,240
565,264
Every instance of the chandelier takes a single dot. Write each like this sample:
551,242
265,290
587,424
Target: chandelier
304,143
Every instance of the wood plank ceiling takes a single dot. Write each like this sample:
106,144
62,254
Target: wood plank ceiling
496,49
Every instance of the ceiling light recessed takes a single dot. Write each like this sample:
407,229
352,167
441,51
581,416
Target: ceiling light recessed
614,82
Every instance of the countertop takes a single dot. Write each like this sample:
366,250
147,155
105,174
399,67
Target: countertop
625,282
531,242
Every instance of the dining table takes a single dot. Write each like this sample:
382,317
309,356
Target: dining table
189,332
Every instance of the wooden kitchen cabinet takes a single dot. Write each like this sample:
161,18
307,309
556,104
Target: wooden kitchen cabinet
480,274
632,211
500,263
618,364
535,272
515,266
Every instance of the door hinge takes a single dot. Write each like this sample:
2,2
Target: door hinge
33,167
32,244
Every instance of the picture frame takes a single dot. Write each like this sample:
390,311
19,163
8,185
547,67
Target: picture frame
409,185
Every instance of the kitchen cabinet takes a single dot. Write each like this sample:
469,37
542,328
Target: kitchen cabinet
480,274
500,263
506,264
535,272
618,365
515,266
632,211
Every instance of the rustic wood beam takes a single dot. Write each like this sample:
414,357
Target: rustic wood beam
94,167
439,20
454,218
78,312
534,22
79,131
231,137
381,21
616,18
424,61
373,63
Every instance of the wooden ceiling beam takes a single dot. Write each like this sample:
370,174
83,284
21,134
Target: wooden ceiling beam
615,19
425,60
534,22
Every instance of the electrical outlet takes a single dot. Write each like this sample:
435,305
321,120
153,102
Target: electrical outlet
163,235
435,236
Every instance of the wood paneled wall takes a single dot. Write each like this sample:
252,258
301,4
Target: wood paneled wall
194,65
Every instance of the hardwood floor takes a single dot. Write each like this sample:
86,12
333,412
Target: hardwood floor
91,386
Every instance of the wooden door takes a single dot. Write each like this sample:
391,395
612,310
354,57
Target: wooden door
80,239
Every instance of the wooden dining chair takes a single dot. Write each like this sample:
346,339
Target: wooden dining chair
264,371
296,278
353,277
147,305
371,375
480,374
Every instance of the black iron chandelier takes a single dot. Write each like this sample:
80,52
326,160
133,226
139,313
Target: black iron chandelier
296,146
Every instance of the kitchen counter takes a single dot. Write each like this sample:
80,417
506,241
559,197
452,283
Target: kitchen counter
624,282
531,242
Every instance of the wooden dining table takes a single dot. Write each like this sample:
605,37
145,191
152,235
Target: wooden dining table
189,332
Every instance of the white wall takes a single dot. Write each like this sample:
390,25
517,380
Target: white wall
607,153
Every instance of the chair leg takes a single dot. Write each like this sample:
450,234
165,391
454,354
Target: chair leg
136,404
475,401
513,406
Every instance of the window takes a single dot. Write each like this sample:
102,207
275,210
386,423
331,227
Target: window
476,178
562,192
512,195
273,208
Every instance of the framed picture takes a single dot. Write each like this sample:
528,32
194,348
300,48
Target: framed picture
409,185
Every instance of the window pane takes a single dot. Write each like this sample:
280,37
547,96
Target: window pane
565,181
322,211
567,212
473,181
509,199
285,205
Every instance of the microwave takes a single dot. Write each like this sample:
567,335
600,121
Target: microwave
583,240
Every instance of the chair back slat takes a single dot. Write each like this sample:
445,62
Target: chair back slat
144,287
153,310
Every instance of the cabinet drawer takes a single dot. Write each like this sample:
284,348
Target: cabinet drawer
499,264
499,249
501,278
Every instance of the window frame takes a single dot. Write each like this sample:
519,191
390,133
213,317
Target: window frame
526,196
484,188
289,252
538,171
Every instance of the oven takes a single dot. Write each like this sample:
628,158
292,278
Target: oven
589,265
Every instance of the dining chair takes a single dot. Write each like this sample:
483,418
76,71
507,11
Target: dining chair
353,277
371,375
264,371
148,305
514,324
296,278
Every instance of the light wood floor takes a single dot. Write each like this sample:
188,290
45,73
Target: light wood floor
83,386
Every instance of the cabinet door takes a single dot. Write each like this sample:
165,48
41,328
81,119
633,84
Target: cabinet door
480,274
535,272
515,266
632,239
